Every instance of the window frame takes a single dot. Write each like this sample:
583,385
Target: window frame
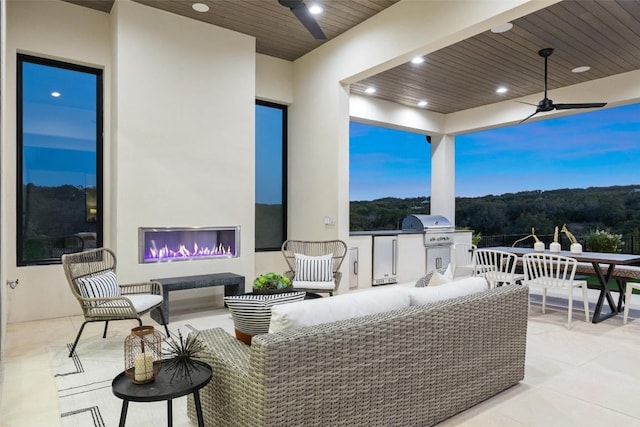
284,109
98,73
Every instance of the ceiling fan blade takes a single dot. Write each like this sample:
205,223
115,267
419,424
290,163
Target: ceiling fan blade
528,103
301,12
582,105
546,104
528,117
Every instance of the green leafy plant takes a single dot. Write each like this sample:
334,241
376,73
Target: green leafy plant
270,282
602,241
475,239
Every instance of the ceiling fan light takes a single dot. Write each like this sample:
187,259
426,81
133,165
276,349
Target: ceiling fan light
200,7
581,69
502,28
501,89
315,9
423,104
370,90
417,60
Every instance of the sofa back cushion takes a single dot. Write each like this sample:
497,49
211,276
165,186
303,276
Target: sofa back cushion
454,289
340,307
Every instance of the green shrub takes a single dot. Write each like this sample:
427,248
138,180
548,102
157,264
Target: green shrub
602,241
475,239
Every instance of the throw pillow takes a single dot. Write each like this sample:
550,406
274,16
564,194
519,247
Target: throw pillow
424,280
457,288
251,313
313,268
440,278
101,286
340,307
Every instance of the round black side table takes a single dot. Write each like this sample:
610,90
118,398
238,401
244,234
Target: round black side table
163,388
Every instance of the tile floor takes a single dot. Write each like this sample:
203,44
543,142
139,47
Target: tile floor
586,376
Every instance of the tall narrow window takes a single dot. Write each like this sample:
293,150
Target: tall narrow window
271,175
59,136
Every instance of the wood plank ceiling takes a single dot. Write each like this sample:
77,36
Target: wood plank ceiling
602,34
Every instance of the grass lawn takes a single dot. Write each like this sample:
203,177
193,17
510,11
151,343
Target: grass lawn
592,282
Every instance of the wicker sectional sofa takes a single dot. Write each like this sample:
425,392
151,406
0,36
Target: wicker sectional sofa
413,366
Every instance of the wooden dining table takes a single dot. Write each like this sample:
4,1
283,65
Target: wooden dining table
600,261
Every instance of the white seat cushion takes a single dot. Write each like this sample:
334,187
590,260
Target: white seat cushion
140,302
143,302
457,288
339,307
300,284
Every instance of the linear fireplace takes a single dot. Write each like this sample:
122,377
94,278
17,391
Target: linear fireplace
187,243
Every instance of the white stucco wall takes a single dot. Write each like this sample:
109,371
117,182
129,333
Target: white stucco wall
68,33
184,103
178,152
274,78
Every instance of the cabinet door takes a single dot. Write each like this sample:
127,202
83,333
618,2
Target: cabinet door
385,259
353,268
437,257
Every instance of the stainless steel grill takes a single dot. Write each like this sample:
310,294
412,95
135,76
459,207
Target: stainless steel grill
438,238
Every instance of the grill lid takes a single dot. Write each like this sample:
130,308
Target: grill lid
426,222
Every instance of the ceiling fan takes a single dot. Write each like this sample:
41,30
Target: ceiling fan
301,12
547,104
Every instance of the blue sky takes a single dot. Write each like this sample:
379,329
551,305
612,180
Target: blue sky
591,149
387,163
59,138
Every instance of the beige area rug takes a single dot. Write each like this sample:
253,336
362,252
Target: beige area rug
84,381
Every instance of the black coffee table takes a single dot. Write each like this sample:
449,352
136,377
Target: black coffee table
163,388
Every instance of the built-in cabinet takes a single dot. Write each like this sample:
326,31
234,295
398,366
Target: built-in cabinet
411,257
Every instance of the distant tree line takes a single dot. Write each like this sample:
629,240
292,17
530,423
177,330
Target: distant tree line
615,208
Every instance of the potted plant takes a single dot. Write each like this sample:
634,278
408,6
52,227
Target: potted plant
603,241
269,283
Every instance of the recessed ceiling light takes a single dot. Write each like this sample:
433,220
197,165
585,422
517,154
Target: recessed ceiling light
370,90
422,103
502,27
200,7
581,69
501,89
417,60
55,94
315,9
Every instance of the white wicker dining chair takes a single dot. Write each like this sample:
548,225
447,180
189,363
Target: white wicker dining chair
552,271
92,280
314,266
498,267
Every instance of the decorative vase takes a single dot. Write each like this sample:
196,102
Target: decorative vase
576,248
555,247
538,246
142,354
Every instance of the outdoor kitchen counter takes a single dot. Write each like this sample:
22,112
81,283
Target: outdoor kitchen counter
383,233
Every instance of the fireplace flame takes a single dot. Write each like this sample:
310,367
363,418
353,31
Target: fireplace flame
165,253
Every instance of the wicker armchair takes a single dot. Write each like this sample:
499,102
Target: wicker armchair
336,248
91,278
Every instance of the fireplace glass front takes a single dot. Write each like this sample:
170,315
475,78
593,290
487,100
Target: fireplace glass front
184,243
